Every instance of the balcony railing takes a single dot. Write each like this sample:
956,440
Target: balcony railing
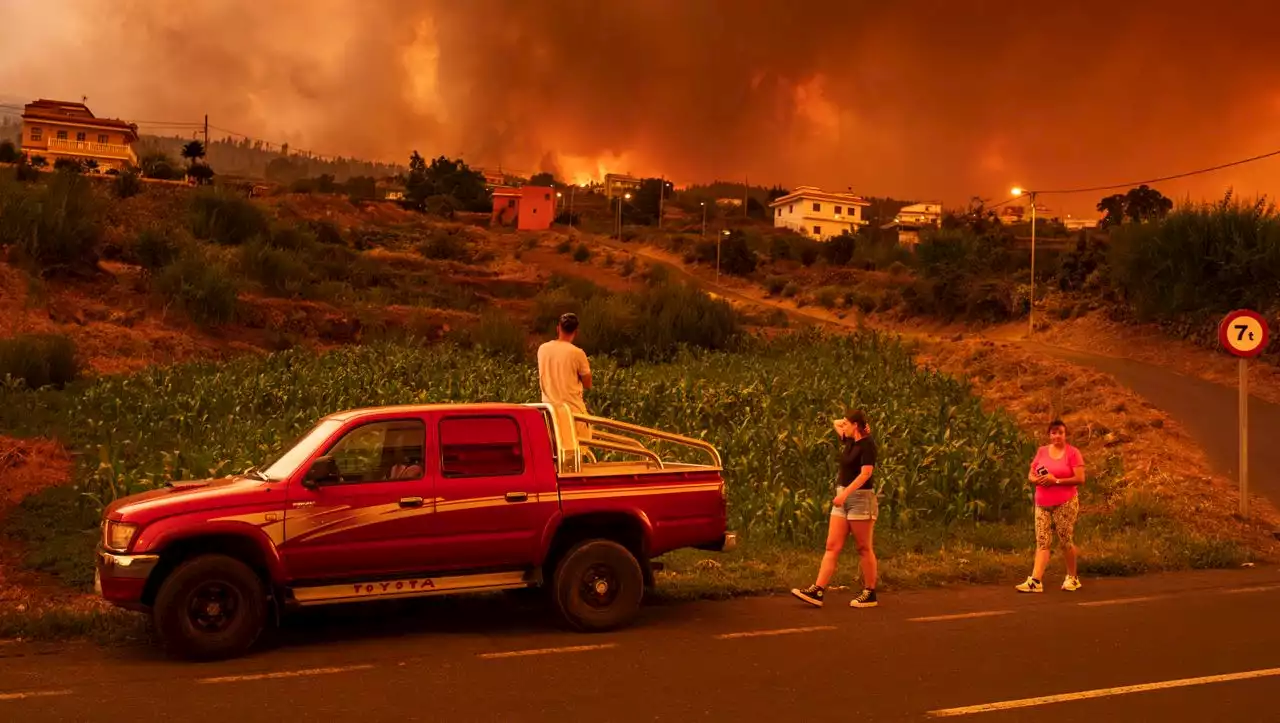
87,148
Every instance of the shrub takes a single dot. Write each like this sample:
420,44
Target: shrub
127,184
226,219
581,253
827,297
155,248
445,245
26,173
1209,258
790,290
292,238
9,152
775,284
656,323
327,232
564,247
628,266
200,287
39,360
282,272
56,228
68,165
736,256
498,335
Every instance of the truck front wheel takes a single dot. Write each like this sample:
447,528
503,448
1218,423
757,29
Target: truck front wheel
598,585
210,607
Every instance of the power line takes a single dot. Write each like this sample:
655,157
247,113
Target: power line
1176,176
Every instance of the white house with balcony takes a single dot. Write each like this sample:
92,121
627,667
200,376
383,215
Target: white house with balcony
819,214
58,129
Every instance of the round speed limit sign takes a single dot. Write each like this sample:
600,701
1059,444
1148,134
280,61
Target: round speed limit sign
1244,333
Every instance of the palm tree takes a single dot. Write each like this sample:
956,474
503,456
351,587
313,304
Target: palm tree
193,152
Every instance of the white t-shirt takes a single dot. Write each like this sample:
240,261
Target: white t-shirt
561,365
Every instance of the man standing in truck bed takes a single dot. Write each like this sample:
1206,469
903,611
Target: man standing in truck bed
563,370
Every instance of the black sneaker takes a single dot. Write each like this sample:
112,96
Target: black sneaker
866,600
812,595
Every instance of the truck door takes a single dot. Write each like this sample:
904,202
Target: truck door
374,517
492,498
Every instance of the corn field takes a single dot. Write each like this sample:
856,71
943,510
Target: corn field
767,409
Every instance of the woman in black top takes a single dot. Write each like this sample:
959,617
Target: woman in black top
854,510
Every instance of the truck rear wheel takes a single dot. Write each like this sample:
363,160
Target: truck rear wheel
598,585
211,606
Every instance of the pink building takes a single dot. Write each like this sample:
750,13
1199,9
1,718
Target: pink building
529,208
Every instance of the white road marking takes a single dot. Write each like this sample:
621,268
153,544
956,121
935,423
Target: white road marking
1122,601
1260,588
780,631
547,651
33,694
284,674
961,616
1103,693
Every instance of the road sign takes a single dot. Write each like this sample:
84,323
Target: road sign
1245,334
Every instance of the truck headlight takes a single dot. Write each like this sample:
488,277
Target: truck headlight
117,536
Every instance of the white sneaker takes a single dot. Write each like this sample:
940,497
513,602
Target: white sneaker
1029,586
1071,584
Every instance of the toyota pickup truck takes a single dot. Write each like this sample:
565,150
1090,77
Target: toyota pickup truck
408,501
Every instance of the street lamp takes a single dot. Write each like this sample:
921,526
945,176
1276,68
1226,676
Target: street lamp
1031,308
625,196
704,218
723,235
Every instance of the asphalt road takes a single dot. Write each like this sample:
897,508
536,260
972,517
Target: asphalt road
1208,411
759,659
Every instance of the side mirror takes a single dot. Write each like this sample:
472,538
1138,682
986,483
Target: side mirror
322,470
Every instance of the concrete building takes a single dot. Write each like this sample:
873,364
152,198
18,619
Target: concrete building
58,129
819,214
528,208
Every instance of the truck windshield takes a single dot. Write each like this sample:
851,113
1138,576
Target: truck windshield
285,464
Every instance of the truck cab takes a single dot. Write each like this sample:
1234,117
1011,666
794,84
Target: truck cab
414,500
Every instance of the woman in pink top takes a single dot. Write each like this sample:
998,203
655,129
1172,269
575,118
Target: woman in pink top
1057,471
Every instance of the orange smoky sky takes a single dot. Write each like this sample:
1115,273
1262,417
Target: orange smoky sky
913,99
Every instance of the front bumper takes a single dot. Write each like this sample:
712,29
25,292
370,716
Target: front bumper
121,579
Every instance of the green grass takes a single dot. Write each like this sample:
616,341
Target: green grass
107,627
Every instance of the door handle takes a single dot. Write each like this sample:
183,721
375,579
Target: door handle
517,496
411,501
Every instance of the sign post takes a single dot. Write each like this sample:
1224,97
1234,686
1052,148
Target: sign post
1245,334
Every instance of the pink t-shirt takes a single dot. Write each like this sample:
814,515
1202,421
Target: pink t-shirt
1062,468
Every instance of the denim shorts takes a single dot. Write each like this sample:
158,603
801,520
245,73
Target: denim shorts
858,506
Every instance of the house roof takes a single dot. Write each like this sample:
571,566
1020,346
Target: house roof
507,191
817,194
77,113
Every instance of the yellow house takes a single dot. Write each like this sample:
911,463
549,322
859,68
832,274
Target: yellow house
57,129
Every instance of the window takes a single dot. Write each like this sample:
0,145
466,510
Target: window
80,136
817,230
546,197
511,203
817,206
838,209
37,134
779,213
62,135
480,447
102,138
791,208
381,452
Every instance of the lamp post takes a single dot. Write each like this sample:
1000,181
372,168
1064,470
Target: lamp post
627,197
723,234
1031,309
704,218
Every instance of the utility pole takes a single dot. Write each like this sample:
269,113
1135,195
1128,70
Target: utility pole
662,196
746,184
1031,309
206,132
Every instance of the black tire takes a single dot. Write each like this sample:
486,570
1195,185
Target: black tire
210,607
598,586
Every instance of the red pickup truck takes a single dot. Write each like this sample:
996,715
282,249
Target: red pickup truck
407,501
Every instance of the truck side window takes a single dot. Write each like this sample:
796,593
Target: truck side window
381,451
480,446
